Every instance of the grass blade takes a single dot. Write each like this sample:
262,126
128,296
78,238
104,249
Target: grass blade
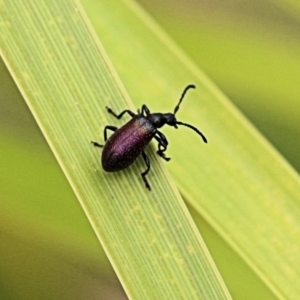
67,80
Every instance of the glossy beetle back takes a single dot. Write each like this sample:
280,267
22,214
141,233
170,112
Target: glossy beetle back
127,143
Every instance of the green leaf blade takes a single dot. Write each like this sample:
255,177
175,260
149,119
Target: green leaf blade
67,80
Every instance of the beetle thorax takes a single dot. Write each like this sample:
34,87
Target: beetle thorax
159,120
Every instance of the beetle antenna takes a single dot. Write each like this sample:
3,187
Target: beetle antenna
191,86
194,128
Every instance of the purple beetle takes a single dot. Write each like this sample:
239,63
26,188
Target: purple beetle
129,141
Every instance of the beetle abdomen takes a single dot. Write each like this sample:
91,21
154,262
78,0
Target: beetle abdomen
127,143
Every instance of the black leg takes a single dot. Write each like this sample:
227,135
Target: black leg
119,116
97,145
162,145
145,110
147,161
112,128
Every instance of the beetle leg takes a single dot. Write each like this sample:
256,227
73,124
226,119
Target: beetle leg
96,144
145,110
162,145
147,161
112,128
119,116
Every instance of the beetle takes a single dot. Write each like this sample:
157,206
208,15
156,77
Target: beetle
129,141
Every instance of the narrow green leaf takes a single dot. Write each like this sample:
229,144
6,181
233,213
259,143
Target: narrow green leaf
66,79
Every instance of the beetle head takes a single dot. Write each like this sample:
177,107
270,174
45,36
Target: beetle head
159,119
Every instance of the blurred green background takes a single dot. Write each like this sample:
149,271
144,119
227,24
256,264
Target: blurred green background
250,49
